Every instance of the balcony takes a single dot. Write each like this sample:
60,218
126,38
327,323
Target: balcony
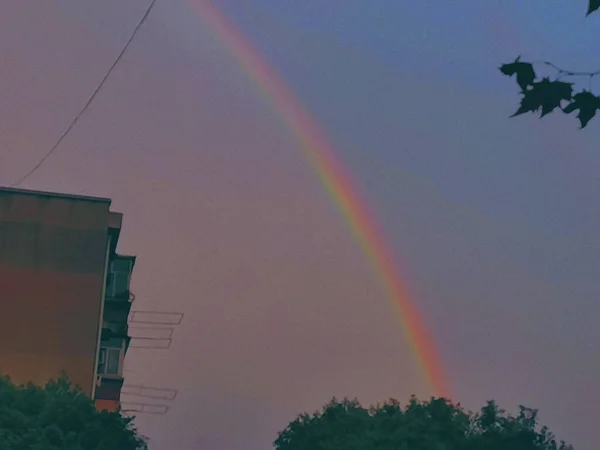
108,387
117,287
116,310
119,277
114,330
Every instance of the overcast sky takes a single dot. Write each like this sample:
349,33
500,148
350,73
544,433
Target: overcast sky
495,221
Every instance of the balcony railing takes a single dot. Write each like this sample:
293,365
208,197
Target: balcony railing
122,295
108,388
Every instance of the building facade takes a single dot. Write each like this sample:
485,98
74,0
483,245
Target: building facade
64,292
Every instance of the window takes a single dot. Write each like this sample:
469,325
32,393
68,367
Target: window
109,361
117,282
121,265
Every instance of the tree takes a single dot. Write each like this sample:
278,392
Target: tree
546,95
433,425
60,417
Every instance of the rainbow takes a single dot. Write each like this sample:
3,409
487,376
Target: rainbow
336,181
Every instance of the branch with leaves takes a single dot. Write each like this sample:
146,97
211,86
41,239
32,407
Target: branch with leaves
546,95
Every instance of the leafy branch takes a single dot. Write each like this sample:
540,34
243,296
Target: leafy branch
593,5
545,95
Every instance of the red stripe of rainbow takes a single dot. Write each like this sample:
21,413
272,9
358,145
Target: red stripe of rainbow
337,183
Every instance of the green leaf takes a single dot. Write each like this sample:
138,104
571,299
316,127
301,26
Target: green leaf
545,95
587,104
523,70
593,5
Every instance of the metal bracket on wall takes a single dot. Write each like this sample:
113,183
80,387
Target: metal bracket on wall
140,390
151,343
146,392
155,333
144,408
155,317
151,337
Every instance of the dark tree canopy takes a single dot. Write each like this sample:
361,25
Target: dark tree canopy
433,425
59,417
546,94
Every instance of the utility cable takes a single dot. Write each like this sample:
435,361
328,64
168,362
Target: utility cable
91,99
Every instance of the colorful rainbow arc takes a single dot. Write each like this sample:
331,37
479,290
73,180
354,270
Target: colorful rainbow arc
337,184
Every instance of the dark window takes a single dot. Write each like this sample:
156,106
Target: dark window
120,283
118,279
121,265
108,361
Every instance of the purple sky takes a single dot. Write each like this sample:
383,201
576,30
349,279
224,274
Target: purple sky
495,221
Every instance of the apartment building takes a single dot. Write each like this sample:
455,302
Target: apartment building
64,292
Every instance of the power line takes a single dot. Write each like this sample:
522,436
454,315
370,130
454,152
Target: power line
91,99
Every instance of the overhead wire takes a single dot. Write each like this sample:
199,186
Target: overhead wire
89,102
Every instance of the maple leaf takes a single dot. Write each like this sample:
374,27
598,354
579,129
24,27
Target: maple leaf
593,5
587,104
529,103
523,70
545,95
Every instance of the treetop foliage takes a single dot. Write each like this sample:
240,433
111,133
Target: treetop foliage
546,95
433,425
60,417
593,5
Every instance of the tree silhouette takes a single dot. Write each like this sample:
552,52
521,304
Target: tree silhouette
546,95
433,425
60,417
